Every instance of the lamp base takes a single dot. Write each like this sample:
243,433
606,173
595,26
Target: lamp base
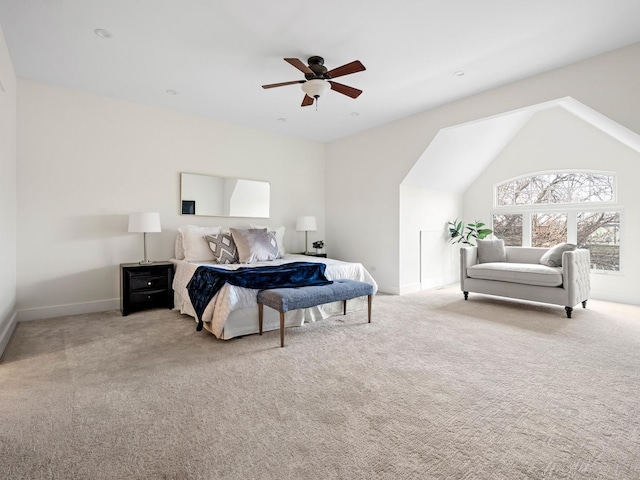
145,262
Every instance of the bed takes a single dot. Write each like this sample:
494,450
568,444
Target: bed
233,311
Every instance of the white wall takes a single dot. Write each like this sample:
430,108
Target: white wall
364,172
7,195
424,214
554,140
85,162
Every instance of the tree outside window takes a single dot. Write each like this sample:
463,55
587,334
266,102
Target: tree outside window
548,229
509,228
541,225
600,233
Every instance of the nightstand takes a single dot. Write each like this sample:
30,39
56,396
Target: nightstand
146,285
311,254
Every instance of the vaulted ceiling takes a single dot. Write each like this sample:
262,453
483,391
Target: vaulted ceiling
210,58
459,154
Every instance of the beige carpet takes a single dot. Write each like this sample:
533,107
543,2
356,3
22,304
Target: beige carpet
434,388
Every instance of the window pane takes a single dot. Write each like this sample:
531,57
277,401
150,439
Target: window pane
600,233
508,228
569,187
548,229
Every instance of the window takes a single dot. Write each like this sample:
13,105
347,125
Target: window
556,188
600,233
542,210
548,229
509,228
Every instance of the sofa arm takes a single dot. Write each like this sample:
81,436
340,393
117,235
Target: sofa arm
576,275
468,258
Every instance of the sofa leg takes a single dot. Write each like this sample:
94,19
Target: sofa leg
466,295
568,310
584,304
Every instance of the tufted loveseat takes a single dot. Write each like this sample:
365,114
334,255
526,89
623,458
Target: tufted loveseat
522,276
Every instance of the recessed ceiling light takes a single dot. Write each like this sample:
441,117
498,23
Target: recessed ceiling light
459,73
282,119
172,92
355,114
102,33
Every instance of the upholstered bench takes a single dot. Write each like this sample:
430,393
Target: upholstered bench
285,299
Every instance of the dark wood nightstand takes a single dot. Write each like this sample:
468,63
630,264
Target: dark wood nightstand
145,285
311,254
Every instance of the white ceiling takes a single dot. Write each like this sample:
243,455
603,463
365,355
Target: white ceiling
217,53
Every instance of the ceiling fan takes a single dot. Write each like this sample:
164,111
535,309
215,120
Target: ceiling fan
319,80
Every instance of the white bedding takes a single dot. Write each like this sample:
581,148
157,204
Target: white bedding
233,311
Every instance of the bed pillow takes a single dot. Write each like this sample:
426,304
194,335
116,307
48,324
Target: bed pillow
553,256
279,231
196,248
491,251
178,248
255,246
223,247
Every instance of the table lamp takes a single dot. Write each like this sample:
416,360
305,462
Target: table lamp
144,222
306,225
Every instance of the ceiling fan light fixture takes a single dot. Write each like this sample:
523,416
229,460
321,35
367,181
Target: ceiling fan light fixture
315,88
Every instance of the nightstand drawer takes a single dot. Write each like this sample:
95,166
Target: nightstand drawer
150,297
145,282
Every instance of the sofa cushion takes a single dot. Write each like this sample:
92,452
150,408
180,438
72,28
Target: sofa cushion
491,251
525,273
553,256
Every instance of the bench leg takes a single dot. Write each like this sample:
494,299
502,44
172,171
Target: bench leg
282,329
369,298
260,310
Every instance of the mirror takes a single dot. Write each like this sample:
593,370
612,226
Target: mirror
207,195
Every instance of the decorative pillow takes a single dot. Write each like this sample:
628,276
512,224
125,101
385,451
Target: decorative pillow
553,256
223,247
491,251
196,248
178,248
255,246
279,231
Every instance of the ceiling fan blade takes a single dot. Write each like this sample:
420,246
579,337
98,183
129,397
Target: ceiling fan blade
306,101
299,65
345,89
347,69
273,85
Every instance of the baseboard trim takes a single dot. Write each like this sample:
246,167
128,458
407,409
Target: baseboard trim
7,331
388,289
41,313
409,288
437,282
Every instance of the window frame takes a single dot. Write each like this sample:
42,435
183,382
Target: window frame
571,209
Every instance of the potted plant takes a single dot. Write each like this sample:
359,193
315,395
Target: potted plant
319,245
467,234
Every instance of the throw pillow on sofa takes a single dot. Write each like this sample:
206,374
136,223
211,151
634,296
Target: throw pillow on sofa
491,251
553,256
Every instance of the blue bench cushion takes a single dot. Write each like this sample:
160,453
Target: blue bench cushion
285,299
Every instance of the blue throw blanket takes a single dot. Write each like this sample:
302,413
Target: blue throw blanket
207,281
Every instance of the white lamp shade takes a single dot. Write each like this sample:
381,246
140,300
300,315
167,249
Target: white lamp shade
144,222
306,224
315,88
